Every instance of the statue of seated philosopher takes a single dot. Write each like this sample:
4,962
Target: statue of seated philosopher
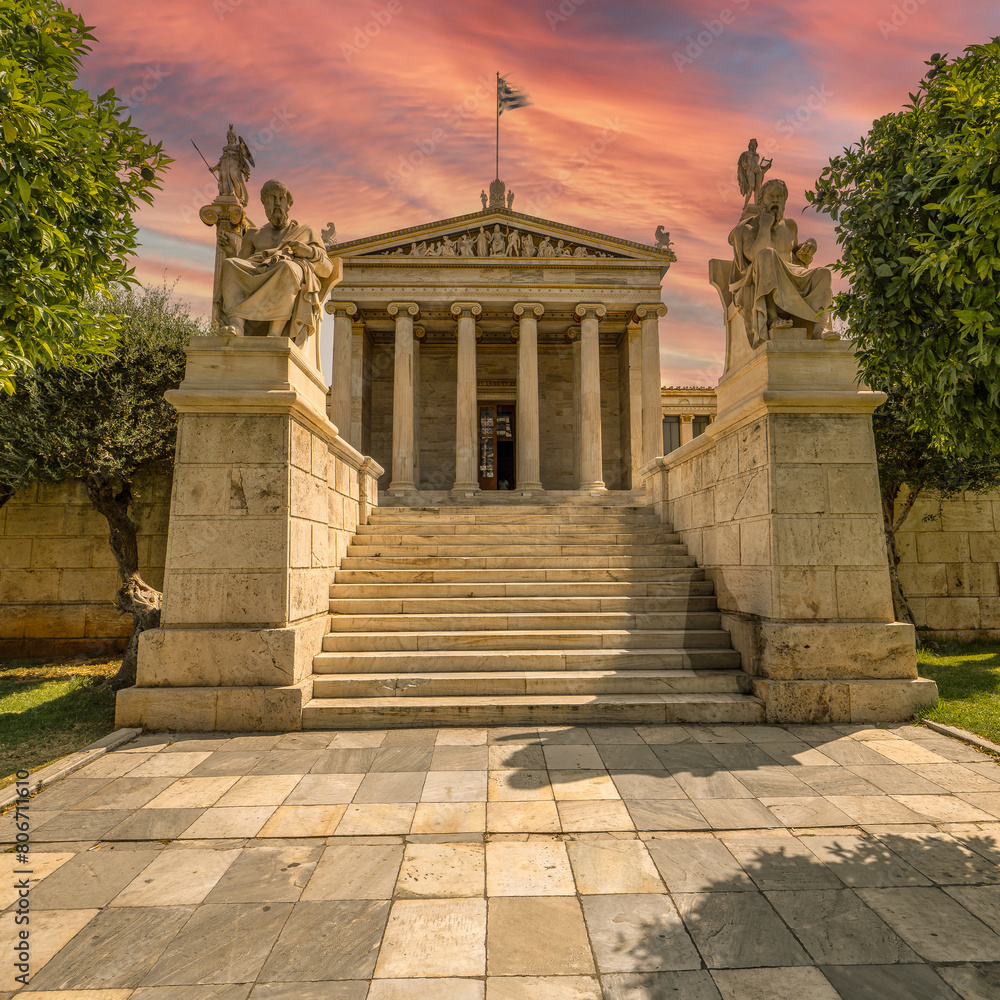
772,284
275,281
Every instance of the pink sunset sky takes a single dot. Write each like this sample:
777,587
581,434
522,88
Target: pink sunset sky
380,114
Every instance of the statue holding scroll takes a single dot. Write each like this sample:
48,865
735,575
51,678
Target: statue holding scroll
277,277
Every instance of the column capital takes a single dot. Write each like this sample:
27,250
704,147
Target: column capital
341,309
650,309
515,334
463,309
686,418
572,333
406,307
591,310
521,307
419,334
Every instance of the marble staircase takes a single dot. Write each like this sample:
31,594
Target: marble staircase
569,611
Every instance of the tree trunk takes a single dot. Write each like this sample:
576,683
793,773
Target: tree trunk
900,605
135,597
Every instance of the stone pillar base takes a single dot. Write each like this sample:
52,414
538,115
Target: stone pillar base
844,701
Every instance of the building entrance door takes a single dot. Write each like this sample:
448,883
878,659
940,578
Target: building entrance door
497,462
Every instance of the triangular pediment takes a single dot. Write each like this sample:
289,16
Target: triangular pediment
501,233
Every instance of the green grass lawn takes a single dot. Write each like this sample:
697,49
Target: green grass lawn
49,708
968,680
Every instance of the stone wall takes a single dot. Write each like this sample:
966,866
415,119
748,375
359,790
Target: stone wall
948,566
57,575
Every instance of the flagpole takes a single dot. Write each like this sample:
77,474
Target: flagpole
498,124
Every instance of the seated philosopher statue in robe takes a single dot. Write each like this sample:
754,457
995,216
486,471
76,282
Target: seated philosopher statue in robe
772,283
278,276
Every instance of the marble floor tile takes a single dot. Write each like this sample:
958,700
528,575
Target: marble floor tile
973,982
718,921
848,751
410,737
153,824
114,764
793,755
376,820
260,790
895,779
222,943
90,880
570,757
837,928
651,784
698,864
943,809
227,991
345,989
580,785
594,816
355,871
324,790
328,939
460,758
172,764
638,933
522,817
461,738
77,825
344,759
906,752
442,870
796,983
525,734
192,793
287,761
115,949
663,735
562,735
266,874
427,989
937,927
518,786
508,756
761,734
806,811
223,762
835,781
520,932
740,756
251,741
391,786
989,802
543,988
449,817
43,864
50,931
888,982
772,780
184,742
614,735
454,786
434,937
780,863
628,757
220,822
704,783
866,809
358,740
666,814
686,756
402,758
654,985
66,793
717,734
863,862
956,777
943,859
304,741
981,900
736,814
536,868
613,866
177,878
303,821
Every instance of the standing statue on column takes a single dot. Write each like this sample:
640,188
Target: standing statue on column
750,170
278,276
233,168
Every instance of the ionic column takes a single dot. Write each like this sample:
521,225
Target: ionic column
652,417
687,428
402,397
340,375
591,475
466,436
528,469
419,336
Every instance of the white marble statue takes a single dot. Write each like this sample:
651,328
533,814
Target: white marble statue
278,275
750,170
513,247
233,168
497,244
482,243
772,283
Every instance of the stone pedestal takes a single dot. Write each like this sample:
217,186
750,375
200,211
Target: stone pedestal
779,501
266,496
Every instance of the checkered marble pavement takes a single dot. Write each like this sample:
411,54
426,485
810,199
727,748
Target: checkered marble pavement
564,863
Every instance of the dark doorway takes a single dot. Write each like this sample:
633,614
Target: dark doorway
497,462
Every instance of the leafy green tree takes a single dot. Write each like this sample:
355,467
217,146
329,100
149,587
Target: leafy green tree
73,169
103,425
917,207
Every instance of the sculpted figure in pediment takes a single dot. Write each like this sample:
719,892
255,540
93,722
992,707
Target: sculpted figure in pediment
545,248
497,244
482,243
447,248
527,246
513,247
465,242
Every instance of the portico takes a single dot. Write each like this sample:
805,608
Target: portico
498,351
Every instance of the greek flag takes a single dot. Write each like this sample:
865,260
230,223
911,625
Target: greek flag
510,98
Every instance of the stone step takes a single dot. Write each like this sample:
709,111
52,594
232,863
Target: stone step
501,562
522,621
540,551
608,589
530,542
476,533
577,575
375,713
511,682
440,661
398,516
348,642
417,604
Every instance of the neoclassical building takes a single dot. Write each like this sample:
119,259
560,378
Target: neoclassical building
499,351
